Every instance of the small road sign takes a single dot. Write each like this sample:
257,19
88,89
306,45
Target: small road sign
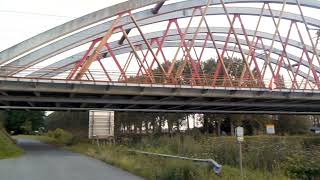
239,133
270,129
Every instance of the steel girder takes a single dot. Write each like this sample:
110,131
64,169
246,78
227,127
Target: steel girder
46,94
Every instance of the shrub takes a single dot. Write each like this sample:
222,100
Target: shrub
311,141
302,168
50,134
62,136
58,133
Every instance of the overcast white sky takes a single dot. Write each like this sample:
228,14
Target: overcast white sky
23,19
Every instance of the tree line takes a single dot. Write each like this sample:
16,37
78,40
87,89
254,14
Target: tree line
143,123
21,121
146,123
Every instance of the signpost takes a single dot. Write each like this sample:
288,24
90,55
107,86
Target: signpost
239,134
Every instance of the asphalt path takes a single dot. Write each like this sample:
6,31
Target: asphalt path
46,162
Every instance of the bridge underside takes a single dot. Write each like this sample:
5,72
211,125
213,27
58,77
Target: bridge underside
80,95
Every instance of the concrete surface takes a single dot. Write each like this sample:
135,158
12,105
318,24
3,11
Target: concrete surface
46,162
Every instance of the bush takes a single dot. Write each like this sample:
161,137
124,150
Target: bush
301,166
50,134
62,136
311,141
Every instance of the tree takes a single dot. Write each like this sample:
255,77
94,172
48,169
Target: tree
316,120
293,124
74,122
255,124
212,123
27,126
22,121
3,118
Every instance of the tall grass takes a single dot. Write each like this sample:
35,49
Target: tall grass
264,153
8,148
151,167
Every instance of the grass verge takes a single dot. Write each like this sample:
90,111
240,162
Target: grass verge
151,167
8,148
44,139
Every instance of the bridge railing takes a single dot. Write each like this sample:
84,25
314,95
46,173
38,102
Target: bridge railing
186,79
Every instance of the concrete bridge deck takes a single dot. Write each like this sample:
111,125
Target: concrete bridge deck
50,94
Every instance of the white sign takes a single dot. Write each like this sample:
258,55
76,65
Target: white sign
239,133
101,124
270,129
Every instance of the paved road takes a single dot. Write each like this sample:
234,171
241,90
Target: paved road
45,162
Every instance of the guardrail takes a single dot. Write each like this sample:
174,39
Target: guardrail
142,84
216,167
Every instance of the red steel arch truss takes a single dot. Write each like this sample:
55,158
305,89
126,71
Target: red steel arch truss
156,60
